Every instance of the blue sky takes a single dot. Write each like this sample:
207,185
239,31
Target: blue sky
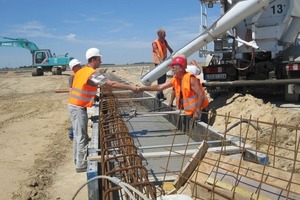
122,30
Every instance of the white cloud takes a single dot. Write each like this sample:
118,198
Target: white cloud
71,36
31,29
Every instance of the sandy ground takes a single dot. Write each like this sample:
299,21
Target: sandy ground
36,154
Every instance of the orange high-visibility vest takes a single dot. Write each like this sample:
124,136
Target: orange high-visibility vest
162,49
189,98
81,93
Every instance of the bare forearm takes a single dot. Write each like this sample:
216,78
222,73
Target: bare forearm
199,103
118,85
151,88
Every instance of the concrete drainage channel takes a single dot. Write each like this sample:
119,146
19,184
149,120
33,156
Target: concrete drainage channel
139,142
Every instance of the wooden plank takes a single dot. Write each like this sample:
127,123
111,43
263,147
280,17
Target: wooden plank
271,176
239,190
62,90
275,178
191,165
226,194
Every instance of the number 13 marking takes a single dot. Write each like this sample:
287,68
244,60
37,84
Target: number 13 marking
277,9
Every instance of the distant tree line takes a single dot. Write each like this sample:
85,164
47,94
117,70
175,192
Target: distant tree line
106,64
20,67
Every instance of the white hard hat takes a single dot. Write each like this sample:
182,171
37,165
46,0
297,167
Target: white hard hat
92,52
73,63
193,69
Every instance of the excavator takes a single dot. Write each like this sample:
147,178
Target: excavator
256,48
42,59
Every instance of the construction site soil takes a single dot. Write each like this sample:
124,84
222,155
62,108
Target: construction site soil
36,153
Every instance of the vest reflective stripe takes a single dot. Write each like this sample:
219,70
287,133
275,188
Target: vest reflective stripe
162,49
189,97
86,99
190,102
83,94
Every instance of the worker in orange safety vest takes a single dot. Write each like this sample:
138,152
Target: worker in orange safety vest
84,90
159,54
74,65
192,68
190,94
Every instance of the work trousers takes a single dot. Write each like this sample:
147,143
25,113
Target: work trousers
79,119
161,80
185,121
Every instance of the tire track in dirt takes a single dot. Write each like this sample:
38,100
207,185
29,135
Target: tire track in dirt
23,106
33,128
43,171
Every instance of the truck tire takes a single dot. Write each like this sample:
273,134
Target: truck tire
40,72
59,71
56,71
37,72
34,72
64,68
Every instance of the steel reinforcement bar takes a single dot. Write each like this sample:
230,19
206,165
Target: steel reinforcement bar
119,155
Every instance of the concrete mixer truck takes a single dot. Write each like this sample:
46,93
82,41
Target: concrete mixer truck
256,49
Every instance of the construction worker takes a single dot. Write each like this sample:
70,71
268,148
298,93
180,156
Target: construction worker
193,68
84,90
74,65
189,92
159,53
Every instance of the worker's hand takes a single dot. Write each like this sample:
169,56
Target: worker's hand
135,89
193,62
197,115
139,90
